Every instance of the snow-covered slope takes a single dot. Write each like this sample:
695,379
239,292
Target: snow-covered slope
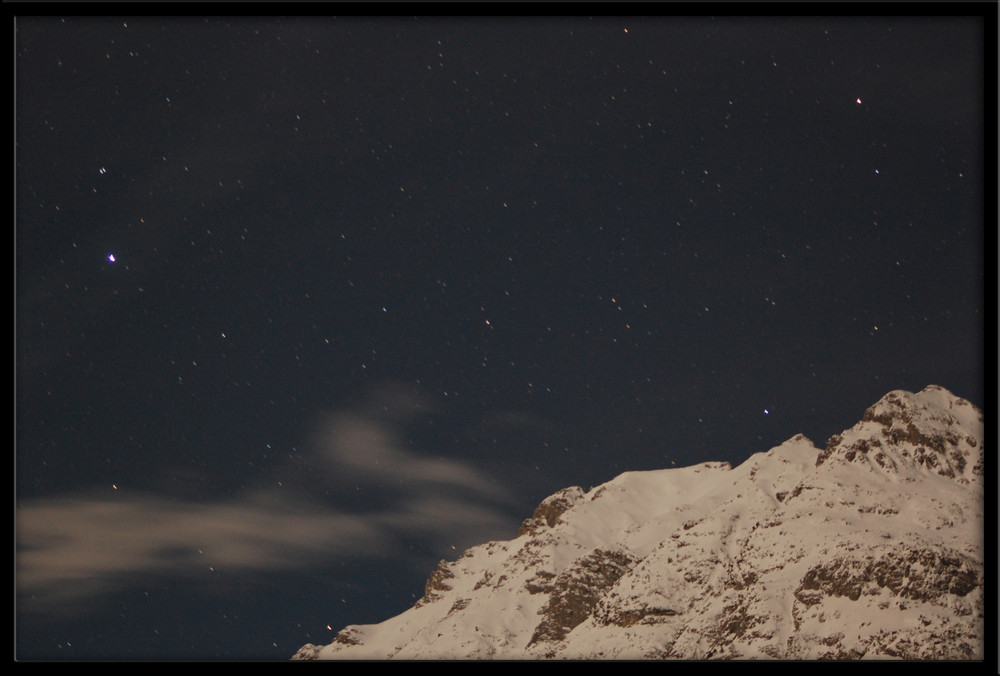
871,547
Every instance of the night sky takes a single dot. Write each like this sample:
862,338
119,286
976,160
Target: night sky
304,305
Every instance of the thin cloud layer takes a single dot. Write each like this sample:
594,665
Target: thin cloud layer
71,549
367,452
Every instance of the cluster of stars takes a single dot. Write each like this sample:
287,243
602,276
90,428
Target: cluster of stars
631,232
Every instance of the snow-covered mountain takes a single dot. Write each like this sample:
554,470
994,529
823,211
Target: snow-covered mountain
871,547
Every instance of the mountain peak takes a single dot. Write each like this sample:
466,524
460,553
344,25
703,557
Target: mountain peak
905,432
872,547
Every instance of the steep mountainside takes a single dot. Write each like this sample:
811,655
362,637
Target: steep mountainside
871,547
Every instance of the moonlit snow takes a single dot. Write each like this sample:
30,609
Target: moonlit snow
871,547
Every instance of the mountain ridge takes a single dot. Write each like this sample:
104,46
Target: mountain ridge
869,547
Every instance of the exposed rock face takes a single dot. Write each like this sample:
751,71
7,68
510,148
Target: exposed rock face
437,583
924,575
904,429
576,591
548,512
869,548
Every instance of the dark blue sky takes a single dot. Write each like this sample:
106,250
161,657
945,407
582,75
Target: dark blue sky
381,285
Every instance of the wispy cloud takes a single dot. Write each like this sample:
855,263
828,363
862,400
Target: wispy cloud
70,549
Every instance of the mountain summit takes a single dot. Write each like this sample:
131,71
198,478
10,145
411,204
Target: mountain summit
869,548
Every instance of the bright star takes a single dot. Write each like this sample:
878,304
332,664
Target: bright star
111,258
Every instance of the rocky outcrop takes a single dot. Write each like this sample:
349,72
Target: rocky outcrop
925,575
307,652
902,430
576,591
437,583
551,508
